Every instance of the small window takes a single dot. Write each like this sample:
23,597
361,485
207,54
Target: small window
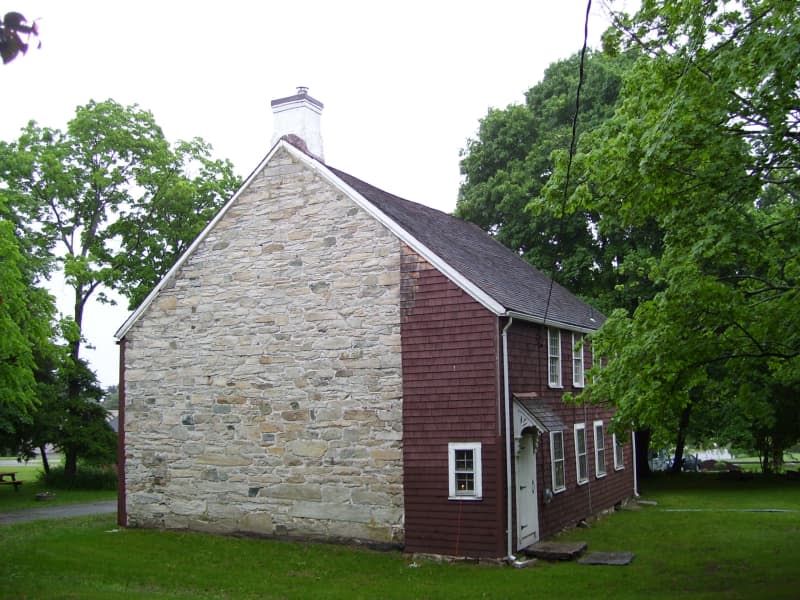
577,360
619,455
581,457
557,455
464,466
554,357
599,449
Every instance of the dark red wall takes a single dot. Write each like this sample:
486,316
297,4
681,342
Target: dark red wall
451,393
528,373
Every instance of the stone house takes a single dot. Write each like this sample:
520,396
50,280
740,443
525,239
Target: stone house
329,361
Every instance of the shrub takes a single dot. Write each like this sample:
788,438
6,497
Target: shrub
88,477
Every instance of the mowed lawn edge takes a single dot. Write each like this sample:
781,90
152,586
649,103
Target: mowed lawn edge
704,538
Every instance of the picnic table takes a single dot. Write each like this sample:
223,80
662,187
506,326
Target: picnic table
12,479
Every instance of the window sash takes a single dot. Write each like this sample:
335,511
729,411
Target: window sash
581,454
464,471
619,453
557,460
599,449
577,361
554,357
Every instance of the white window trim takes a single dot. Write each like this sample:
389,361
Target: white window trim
618,464
578,377
451,470
563,460
585,454
557,357
597,448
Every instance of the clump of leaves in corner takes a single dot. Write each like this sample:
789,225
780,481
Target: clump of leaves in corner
11,43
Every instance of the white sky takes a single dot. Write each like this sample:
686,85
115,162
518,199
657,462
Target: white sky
404,83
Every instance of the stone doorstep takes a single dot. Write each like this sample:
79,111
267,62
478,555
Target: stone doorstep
555,550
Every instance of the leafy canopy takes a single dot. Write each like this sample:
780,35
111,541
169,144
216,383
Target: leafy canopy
705,145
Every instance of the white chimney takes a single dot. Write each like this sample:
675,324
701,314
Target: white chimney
299,115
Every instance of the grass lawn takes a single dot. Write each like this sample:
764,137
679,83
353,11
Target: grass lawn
705,538
25,496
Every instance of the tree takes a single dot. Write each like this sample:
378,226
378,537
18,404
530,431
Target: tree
25,322
705,144
113,203
75,424
111,399
110,198
508,165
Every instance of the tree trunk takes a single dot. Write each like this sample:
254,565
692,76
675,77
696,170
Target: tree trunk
680,443
45,462
70,463
643,453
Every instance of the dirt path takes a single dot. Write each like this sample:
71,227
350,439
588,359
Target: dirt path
58,512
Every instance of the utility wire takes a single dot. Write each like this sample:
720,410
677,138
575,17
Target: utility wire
572,147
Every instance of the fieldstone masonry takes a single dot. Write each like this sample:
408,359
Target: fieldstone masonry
263,385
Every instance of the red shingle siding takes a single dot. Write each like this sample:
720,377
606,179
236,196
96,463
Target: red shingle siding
450,394
528,373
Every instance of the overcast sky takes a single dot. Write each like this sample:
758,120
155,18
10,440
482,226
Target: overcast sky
404,83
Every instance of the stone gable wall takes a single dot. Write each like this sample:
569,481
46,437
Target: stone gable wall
263,385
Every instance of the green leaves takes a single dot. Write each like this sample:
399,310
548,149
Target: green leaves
25,313
517,151
705,146
112,202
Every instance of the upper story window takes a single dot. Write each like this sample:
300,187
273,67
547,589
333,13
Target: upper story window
577,360
581,455
619,455
599,449
557,460
464,468
554,357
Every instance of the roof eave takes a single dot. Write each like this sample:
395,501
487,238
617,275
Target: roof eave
550,322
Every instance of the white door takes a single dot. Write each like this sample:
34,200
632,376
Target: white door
527,498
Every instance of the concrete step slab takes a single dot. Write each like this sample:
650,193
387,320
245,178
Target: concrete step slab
617,559
555,550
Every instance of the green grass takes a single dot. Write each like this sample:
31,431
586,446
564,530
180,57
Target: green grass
25,496
719,552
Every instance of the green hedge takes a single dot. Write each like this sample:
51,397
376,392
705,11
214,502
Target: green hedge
88,477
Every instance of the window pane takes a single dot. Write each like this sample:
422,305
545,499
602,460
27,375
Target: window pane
558,445
580,452
559,482
600,451
577,360
465,483
464,461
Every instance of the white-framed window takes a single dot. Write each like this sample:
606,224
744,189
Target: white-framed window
464,468
619,456
577,360
557,461
599,449
581,455
554,357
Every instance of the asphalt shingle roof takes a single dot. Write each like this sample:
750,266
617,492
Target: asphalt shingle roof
495,269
